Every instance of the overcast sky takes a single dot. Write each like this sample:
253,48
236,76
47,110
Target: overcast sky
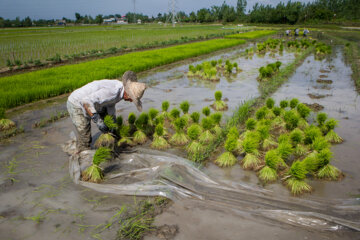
55,9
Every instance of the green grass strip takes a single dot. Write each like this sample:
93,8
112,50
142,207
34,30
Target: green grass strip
251,35
28,87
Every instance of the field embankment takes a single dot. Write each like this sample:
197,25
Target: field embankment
24,88
251,35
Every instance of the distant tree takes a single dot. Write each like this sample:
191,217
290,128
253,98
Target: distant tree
27,22
17,22
192,17
99,19
240,8
78,17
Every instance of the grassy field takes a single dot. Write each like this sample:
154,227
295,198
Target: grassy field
251,35
27,87
30,44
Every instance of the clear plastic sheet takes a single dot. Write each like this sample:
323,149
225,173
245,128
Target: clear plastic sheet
146,172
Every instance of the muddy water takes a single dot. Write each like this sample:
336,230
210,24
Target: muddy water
35,182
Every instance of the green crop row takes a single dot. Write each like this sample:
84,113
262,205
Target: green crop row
251,35
24,88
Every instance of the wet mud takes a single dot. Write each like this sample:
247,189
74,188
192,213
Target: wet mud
39,195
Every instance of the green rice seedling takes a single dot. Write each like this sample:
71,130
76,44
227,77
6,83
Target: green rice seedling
250,146
296,137
152,115
131,121
293,103
109,122
174,114
323,158
266,138
179,138
125,136
284,104
165,106
119,121
227,159
284,149
141,124
194,148
303,110
192,71
273,160
329,172
300,150
261,113
291,119
219,105
105,140
270,103
195,117
331,135
303,124
216,118
278,122
92,174
321,118
319,144
101,155
6,124
277,111
267,174
311,133
206,111
159,141
284,138
311,162
213,63
206,136
278,65
296,181
251,124
184,106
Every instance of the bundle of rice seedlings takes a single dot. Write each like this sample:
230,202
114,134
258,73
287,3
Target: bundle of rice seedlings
194,148
207,137
300,150
311,133
270,103
331,135
250,146
105,140
125,136
174,114
206,111
227,159
159,141
321,118
250,125
284,104
311,162
219,105
94,172
329,172
152,115
131,121
165,106
291,119
296,136
293,103
216,118
272,163
195,117
277,111
184,106
267,140
303,110
6,124
319,144
303,124
261,113
284,149
110,123
296,182
119,121
179,138
141,124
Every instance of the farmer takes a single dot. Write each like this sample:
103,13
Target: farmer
287,32
306,32
296,32
97,99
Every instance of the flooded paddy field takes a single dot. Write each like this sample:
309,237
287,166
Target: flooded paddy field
40,201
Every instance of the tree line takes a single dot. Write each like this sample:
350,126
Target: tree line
291,12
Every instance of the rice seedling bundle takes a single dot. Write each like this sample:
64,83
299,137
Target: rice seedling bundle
174,113
195,117
331,136
303,110
296,182
6,124
206,136
296,137
311,133
273,161
292,119
152,115
206,111
94,172
131,121
219,105
125,136
216,118
141,124
251,35
159,141
184,106
270,103
284,149
179,138
319,144
250,147
284,104
105,140
194,148
165,106
227,159
321,118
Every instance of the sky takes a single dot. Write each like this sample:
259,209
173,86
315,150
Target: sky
56,9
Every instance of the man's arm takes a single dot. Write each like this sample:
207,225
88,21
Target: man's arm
87,109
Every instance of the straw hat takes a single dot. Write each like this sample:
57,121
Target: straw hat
134,89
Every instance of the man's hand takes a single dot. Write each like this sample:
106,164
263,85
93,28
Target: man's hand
95,117
101,125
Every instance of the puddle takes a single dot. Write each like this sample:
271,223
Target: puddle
35,179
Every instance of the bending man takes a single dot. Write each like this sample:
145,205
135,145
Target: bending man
97,99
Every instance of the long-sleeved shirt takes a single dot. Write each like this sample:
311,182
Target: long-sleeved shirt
99,95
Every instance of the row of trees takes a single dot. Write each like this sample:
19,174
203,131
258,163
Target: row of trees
286,13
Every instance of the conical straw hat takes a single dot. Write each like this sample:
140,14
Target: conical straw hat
134,89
